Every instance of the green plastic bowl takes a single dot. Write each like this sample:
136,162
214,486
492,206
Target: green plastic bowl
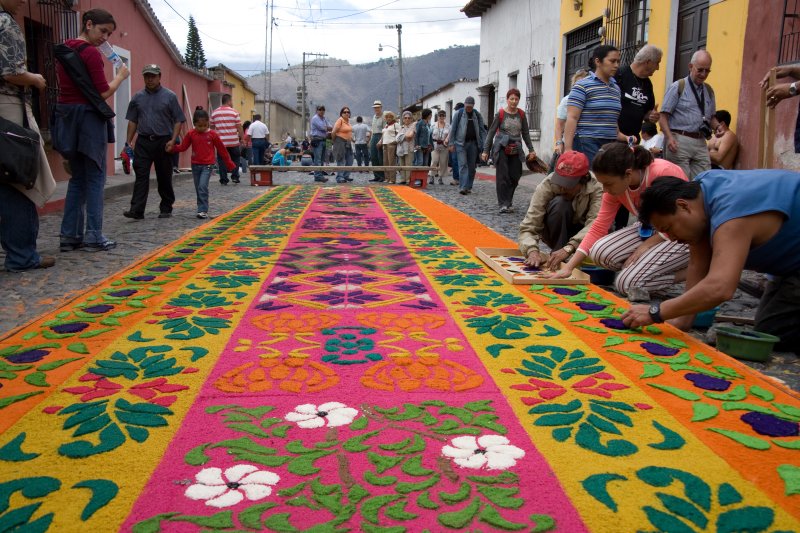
745,344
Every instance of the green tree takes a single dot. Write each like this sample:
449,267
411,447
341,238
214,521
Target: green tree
195,57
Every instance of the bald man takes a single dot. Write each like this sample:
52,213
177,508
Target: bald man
687,117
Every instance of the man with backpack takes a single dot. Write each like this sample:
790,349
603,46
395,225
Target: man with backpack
687,117
467,135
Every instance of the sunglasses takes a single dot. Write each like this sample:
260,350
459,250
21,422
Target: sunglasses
346,111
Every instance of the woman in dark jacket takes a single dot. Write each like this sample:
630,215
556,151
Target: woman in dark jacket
504,141
83,136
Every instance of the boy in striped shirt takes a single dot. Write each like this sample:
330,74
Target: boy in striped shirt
226,122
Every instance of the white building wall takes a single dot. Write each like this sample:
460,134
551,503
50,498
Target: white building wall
514,34
448,97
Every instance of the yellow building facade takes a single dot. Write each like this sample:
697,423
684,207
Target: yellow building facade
678,27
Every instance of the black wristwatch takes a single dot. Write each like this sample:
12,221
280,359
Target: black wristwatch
655,313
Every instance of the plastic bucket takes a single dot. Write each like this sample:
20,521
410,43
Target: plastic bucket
745,344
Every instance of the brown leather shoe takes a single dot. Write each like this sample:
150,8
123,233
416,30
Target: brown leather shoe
46,261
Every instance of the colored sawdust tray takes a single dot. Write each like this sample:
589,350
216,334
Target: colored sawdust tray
510,264
335,359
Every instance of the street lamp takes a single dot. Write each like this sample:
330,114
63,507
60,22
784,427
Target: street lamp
399,28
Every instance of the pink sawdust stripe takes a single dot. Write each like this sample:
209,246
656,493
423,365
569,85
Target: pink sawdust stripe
348,324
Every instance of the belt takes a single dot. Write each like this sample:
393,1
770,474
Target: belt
692,134
152,137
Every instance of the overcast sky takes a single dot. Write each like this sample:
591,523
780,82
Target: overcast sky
234,32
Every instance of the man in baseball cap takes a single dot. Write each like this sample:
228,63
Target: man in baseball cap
562,209
151,69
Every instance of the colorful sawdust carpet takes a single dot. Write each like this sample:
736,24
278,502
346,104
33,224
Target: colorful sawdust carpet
336,359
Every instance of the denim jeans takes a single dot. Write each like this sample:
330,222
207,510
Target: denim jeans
85,192
201,175
467,161
362,154
589,146
346,160
246,157
259,147
319,158
19,228
453,156
233,152
376,155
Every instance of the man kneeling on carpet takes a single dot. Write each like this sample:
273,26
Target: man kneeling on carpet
731,220
562,209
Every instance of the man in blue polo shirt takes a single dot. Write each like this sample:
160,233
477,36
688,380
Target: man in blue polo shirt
731,220
319,132
154,120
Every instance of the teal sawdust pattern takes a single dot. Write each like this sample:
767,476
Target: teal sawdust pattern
685,502
711,387
380,460
64,337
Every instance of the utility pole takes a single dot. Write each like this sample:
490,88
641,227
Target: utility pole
399,28
269,73
303,87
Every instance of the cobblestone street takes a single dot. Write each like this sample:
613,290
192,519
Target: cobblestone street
31,294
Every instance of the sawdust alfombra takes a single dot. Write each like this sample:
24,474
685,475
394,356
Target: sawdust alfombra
337,359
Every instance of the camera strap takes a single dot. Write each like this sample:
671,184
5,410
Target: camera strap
701,102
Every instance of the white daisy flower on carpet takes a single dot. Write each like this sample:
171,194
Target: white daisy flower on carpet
491,451
332,414
228,490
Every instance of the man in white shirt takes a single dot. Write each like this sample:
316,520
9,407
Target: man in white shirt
259,135
361,136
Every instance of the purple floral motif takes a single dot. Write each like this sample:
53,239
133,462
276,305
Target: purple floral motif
186,251
701,381
281,286
98,309
71,327
158,269
143,278
339,278
591,306
30,356
563,291
613,323
124,293
412,288
173,259
771,426
658,349
346,298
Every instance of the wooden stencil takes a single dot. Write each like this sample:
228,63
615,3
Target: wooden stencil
509,263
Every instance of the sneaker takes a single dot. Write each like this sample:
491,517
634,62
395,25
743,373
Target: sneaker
131,214
509,209
441,182
503,209
462,191
431,180
176,170
46,261
202,214
164,214
454,182
99,246
321,180
235,182
69,246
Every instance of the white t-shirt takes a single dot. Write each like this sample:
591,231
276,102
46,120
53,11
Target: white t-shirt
656,141
258,130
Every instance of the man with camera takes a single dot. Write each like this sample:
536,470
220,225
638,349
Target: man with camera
687,117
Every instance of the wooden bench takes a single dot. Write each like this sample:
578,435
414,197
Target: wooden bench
261,175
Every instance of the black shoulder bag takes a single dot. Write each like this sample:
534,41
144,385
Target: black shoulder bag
19,151
76,70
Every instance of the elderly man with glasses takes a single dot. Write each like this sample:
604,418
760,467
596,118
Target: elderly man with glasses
687,117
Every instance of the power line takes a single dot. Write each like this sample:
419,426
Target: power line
204,33
303,24
357,13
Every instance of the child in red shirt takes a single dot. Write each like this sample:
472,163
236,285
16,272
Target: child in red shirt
203,142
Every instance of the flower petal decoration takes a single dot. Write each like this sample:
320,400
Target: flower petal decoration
331,414
495,452
228,490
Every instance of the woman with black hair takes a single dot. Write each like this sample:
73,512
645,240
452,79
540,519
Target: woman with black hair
83,136
594,105
645,259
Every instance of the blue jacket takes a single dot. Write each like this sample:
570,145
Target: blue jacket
458,128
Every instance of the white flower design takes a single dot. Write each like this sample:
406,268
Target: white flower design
332,414
492,451
217,492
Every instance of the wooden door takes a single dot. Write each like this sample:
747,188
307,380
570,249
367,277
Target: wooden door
691,35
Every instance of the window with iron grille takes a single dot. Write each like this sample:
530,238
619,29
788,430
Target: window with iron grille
533,101
57,23
627,27
790,33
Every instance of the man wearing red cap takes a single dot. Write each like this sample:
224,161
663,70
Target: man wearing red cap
562,209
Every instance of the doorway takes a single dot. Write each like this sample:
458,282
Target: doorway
121,100
691,34
580,44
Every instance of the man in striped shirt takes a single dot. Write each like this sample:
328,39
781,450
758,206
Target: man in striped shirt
227,123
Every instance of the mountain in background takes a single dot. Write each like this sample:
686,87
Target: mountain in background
336,83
